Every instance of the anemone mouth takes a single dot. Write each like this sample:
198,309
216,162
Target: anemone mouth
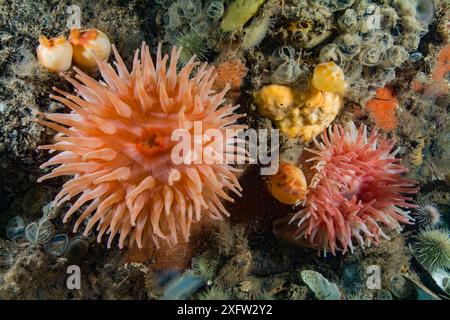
153,142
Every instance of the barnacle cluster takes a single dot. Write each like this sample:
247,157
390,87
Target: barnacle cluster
366,40
54,54
242,22
436,85
375,38
334,76
238,13
118,148
84,48
369,39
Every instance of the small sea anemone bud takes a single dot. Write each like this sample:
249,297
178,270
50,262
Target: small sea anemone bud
137,146
329,77
427,215
288,185
54,54
432,249
355,190
89,45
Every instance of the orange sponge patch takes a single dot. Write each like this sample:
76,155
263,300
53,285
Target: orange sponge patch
232,72
442,64
382,109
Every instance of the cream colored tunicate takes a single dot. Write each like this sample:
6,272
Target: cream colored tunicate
87,46
54,54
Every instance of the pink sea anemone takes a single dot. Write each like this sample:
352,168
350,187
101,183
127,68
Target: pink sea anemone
116,144
356,188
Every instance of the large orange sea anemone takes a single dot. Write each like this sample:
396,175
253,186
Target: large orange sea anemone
356,189
116,144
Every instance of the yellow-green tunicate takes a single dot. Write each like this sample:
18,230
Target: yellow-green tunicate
238,13
255,33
